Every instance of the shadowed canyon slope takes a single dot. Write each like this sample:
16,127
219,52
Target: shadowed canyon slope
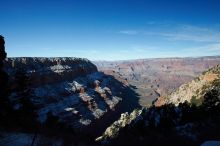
152,78
70,88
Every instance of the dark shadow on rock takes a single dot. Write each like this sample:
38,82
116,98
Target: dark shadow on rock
129,102
100,101
185,124
129,97
133,87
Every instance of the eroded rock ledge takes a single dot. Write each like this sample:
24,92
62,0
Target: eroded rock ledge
70,88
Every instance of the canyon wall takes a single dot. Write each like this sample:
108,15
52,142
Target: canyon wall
70,88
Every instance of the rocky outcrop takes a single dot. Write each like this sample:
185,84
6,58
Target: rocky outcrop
3,54
152,78
4,103
3,75
113,130
70,88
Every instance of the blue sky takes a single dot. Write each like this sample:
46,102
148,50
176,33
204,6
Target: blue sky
111,29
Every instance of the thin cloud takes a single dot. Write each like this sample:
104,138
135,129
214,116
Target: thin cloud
144,49
129,32
215,47
194,28
189,33
180,33
160,23
207,48
184,36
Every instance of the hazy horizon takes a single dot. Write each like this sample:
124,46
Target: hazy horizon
111,29
194,57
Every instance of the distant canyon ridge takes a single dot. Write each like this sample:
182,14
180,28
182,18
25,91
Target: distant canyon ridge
152,78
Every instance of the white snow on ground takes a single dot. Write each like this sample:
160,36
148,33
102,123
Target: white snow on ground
76,100
83,99
18,139
211,143
57,107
